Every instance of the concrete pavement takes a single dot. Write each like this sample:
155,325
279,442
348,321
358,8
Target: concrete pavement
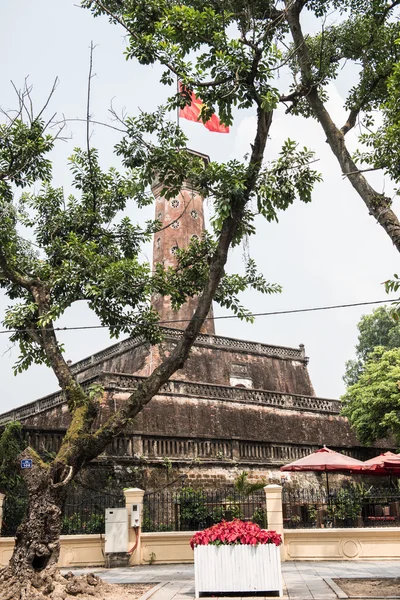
302,580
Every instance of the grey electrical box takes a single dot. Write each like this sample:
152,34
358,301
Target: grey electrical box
116,530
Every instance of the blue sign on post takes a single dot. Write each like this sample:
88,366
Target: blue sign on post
26,463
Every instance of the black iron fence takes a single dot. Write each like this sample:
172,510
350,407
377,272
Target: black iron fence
84,511
14,508
192,510
354,506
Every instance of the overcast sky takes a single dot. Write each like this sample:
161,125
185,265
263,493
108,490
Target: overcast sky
327,252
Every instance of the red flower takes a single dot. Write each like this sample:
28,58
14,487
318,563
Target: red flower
235,532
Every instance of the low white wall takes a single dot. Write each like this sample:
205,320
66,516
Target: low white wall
82,551
76,550
173,547
299,544
6,548
168,547
343,544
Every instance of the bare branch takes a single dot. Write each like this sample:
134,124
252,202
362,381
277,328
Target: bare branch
21,98
66,480
91,121
88,102
53,89
361,171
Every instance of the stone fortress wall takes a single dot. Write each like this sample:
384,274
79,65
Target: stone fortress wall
235,405
214,420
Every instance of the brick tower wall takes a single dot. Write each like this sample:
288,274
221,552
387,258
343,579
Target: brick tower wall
182,218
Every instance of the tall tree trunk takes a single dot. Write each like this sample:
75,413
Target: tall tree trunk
37,543
32,573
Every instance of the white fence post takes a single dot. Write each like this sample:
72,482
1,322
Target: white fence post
273,498
134,496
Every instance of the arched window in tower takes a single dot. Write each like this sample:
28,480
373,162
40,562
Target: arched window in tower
194,214
175,203
158,243
159,216
175,224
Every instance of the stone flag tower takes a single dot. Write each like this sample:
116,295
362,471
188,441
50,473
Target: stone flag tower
182,218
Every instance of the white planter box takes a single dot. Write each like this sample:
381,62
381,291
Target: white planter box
237,568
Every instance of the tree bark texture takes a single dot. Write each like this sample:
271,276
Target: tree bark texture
32,573
37,543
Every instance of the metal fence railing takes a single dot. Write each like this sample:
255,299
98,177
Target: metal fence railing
191,510
84,511
14,508
354,506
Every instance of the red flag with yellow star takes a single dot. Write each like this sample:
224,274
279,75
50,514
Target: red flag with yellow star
192,113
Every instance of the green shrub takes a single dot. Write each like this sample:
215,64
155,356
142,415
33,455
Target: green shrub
78,523
260,517
346,506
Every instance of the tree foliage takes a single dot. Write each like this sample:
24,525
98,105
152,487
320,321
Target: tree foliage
79,248
244,487
383,145
377,329
12,444
232,54
372,405
56,250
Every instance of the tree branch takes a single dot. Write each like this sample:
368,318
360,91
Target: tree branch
378,205
82,453
92,186
351,120
354,112
14,275
163,61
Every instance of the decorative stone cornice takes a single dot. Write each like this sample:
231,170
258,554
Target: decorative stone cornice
152,449
122,381
202,340
232,394
38,406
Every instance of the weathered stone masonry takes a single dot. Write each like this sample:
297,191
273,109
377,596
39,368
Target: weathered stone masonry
235,404
206,429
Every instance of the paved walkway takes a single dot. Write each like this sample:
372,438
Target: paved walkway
302,580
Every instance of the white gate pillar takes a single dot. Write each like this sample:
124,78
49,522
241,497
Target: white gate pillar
273,498
134,496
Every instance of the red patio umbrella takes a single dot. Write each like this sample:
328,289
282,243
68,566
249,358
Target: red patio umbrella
387,463
326,460
392,463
